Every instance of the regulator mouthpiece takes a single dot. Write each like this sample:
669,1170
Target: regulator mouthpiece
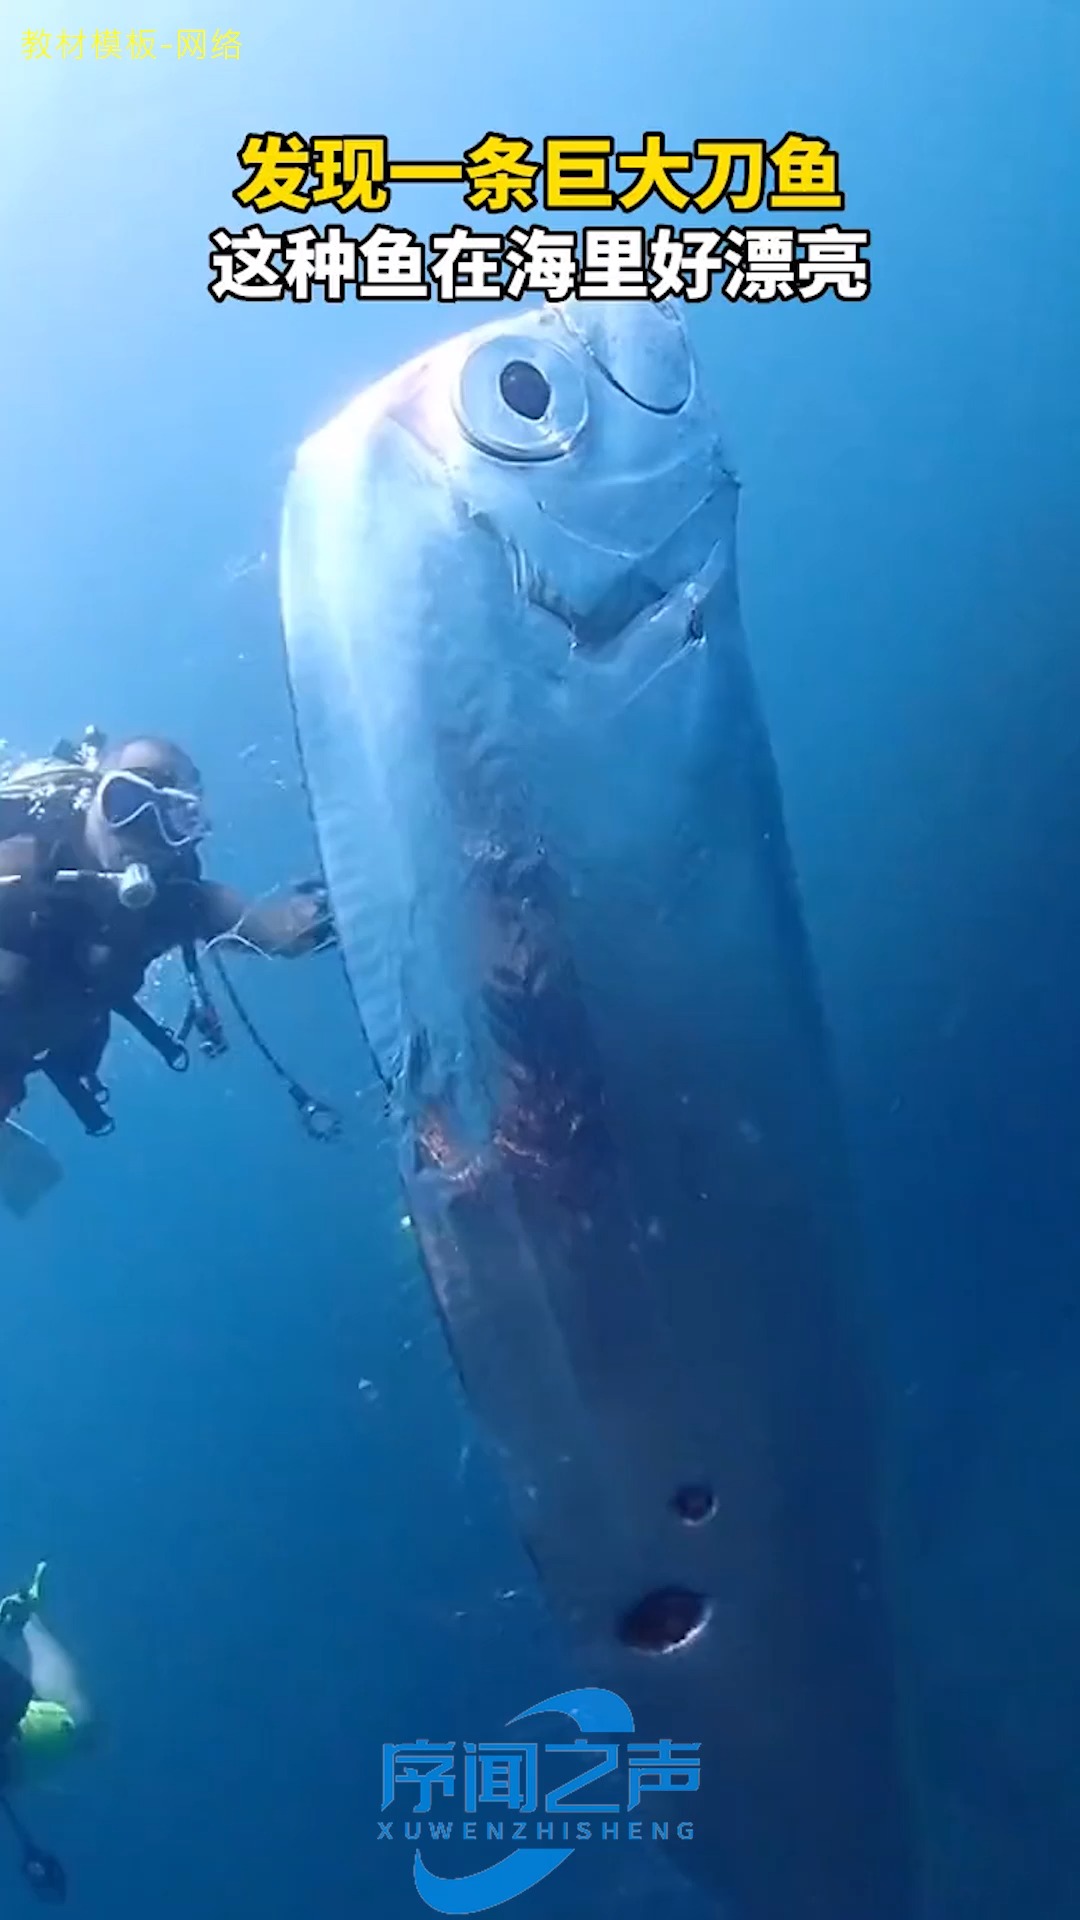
136,887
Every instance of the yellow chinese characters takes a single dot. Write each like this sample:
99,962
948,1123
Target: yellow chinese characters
349,173
500,174
577,173
807,172
138,43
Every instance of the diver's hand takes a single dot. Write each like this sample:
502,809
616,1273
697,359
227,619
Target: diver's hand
313,899
18,1609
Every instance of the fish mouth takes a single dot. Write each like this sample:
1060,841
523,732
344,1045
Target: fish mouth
677,575
630,600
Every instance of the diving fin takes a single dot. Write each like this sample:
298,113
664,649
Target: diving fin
28,1171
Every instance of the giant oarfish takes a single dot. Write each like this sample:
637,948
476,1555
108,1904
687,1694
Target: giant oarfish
552,834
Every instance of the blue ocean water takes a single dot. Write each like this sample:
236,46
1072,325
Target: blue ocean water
273,1544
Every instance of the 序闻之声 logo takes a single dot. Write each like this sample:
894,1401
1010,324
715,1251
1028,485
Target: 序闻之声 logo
501,1784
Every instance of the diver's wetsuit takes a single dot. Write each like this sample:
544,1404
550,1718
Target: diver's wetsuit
71,955
16,1694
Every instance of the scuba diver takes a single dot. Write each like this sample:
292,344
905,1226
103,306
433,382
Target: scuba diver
44,1719
99,877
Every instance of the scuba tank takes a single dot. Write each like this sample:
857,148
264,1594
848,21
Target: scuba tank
43,793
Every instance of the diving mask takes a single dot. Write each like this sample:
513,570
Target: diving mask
180,815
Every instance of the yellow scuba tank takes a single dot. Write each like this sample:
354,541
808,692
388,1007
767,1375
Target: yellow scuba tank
45,1737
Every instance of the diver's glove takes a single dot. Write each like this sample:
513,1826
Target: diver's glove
321,931
17,1609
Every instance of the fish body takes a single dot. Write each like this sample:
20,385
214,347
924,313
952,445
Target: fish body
551,829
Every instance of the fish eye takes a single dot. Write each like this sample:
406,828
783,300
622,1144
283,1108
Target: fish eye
520,397
525,389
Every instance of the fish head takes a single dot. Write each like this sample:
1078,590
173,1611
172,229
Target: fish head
496,574
577,443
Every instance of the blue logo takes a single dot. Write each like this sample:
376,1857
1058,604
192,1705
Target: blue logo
505,1775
